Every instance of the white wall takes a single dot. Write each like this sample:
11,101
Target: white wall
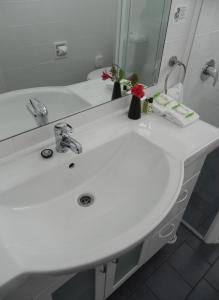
201,96
28,29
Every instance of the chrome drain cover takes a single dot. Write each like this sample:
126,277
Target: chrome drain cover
86,200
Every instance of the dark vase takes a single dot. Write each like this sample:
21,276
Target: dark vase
135,109
116,90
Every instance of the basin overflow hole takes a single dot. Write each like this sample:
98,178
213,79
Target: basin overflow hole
71,166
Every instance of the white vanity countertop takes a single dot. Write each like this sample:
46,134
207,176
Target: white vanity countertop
179,144
183,143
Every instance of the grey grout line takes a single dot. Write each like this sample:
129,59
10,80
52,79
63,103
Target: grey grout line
211,285
166,260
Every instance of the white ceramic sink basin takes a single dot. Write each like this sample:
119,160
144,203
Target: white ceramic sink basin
134,184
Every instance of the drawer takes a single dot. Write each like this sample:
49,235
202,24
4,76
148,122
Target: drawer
185,195
181,202
165,235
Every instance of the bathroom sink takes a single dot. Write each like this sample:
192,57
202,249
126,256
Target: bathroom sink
76,211
15,118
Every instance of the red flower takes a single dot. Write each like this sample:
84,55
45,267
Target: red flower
105,75
138,91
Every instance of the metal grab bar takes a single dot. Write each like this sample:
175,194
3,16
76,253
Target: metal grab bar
173,63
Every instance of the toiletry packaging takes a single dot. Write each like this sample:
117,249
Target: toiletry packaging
174,111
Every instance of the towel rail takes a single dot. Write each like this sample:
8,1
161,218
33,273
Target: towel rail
173,63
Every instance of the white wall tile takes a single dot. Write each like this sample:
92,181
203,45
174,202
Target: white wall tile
178,30
29,29
176,41
199,95
209,20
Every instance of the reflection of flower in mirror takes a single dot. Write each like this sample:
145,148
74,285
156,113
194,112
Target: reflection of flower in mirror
106,75
116,74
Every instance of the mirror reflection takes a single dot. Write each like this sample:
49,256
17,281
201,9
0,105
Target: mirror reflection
54,52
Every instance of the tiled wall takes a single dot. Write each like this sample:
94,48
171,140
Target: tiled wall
29,28
176,39
202,96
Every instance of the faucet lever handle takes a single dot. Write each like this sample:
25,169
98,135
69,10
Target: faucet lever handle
63,128
37,108
210,70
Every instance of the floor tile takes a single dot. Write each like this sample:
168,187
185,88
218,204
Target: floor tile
209,252
143,293
203,291
207,223
213,276
167,284
201,204
122,293
161,256
140,277
194,216
189,263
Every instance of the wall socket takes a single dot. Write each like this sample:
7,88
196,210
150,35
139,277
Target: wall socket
61,49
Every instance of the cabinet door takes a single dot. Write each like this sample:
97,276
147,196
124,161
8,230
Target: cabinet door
88,285
120,269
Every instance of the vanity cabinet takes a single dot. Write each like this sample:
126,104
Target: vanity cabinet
87,285
121,268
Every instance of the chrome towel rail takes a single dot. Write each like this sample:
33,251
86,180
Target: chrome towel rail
173,63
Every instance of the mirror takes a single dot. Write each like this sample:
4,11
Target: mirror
142,36
53,53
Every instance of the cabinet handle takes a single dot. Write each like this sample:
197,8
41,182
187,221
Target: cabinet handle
103,269
173,239
169,232
115,261
184,197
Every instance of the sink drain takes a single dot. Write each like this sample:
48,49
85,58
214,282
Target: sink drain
86,200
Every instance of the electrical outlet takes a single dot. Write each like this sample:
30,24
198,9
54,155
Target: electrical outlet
61,49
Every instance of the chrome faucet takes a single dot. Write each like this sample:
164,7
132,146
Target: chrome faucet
64,141
210,70
38,110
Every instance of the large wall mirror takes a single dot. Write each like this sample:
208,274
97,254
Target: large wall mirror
53,53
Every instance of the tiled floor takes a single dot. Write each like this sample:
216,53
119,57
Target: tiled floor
188,270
